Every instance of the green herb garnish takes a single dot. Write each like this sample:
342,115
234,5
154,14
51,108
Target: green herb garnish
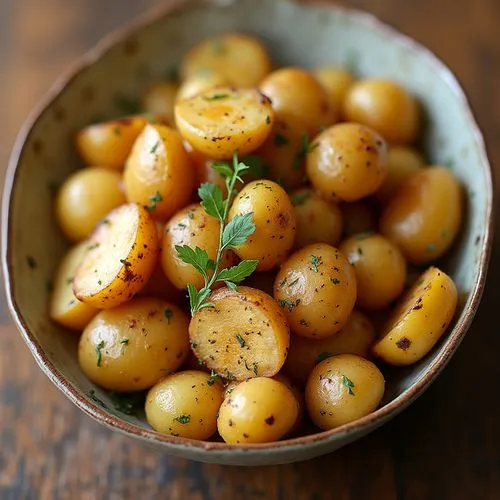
183,419
216,97
153,200
349,384
168,314
213,378
323,355
315,262
155,147
123,342
98,349
240,340
299,199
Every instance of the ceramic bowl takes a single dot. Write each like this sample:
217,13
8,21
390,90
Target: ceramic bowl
122,66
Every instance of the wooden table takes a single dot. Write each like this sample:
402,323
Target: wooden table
446,446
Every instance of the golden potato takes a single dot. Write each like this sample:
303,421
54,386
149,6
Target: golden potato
317,220
336,81
108,144
200,82
380,269
357,337
131,347
424,216
316,288
84,198
225,120
420,319
402,163
241,59
193,227
121,257
348,161
384,106
299,396
243,335
342,389
274,222
158,174
260,410
185,404
296,95
160,99
359,217
64,307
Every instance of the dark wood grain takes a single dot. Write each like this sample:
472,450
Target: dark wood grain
446,446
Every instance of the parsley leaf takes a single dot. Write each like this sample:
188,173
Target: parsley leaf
238,273
211,199
238,230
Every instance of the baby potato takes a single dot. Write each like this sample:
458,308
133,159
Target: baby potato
200,82
274,222
357,337
402,163
243,335
158,174
85,197
348,161
225,120
133,346
336,81
384,106
317,220
121,257
190,226
299,396
380,269
424,216
160,99
284,152
316,288
260,410
108,144
295,94
160,286
342,389
185,404
64,307
241,59
420,319
359,217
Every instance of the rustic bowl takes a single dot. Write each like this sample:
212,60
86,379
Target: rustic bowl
124,64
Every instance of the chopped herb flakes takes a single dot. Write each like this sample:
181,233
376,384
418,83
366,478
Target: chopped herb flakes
98,349
183,419
363,236
129,403
315,262
168,314
155,147
299,199
156,198
323,355
240,340
123,342
92,395
286,303
348,383
216,97
213,378
335,281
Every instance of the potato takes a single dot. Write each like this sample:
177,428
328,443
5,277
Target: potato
402,163
384,106
243,335
262,281
316,288
274,221
336,81
317,220
380,269
304,354
424,216
296,95
342,389
158,174
131,347
160,99
64,307
185,404
200,82
160,286
260,410
359,217
348,161
193,227
284,152
108,144
84,198
220,122
121,257
420,319
299,396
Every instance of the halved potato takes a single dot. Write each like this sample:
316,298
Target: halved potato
219,122
420,319
65,308
121,257
243,335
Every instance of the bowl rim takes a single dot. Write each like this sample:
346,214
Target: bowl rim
367,423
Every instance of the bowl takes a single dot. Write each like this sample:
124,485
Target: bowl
104,82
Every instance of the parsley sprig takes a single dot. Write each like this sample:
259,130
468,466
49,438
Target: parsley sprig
232,234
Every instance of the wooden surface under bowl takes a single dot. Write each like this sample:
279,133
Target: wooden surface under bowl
43,156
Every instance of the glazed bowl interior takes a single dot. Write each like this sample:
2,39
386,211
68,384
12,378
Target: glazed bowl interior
115,73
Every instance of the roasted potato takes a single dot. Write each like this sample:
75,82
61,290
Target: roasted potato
359,217
160,100
203,80
336,81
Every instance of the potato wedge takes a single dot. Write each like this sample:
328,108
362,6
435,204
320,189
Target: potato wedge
122,255
65,308
219,122
243,335
420,319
